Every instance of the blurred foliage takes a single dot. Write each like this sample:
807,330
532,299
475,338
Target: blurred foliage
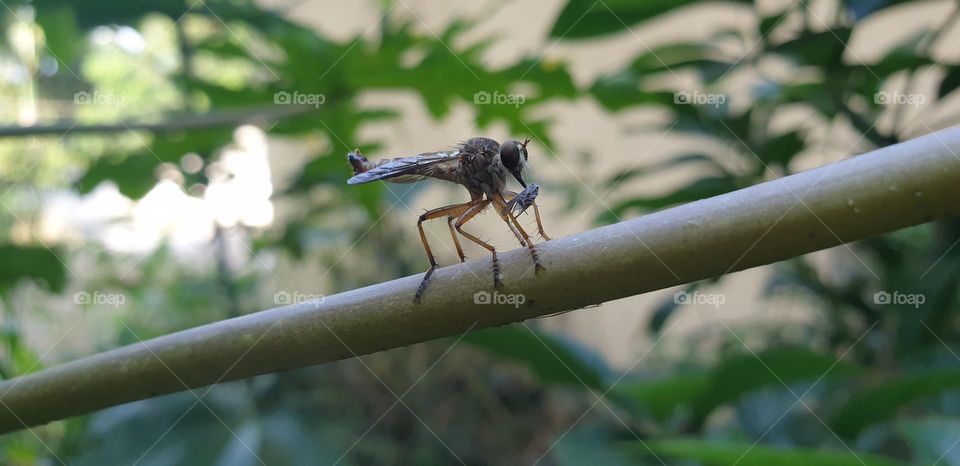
865,384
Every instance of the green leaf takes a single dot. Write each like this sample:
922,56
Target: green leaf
737,128
818,95
134,175
747,454
589,446
932,440
31,262
903,57
741,374
672,56
63,37
620,90
781,149
666,309
880,402
700,189
23,360
551,79
661,314
866,80
443,77
682,56
950,81
823,49
552,358
672,162
589,18
170,147
625,87
662,397
769,23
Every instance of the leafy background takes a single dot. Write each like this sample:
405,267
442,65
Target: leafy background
856,382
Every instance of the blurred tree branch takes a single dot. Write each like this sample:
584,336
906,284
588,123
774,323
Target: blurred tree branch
899,186
171,125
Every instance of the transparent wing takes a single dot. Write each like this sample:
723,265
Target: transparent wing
409,169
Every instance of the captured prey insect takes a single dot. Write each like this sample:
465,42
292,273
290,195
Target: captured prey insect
478,164
521,202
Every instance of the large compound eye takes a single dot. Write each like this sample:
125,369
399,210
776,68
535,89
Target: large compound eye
510,154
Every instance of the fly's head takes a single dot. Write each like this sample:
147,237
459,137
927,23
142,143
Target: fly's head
513,156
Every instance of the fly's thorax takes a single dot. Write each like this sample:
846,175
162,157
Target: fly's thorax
481,175
498,174
475,160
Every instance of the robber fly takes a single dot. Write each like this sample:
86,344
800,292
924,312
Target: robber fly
480,165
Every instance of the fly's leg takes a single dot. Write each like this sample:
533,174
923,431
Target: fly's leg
464,218
536,213
514,224
451,210
456,241
516,234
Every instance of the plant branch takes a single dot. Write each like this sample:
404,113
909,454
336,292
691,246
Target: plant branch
895,187
171,125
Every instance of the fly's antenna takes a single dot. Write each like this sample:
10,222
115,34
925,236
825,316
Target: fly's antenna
526,155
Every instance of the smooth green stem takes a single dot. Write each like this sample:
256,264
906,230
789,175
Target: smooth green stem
899,186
